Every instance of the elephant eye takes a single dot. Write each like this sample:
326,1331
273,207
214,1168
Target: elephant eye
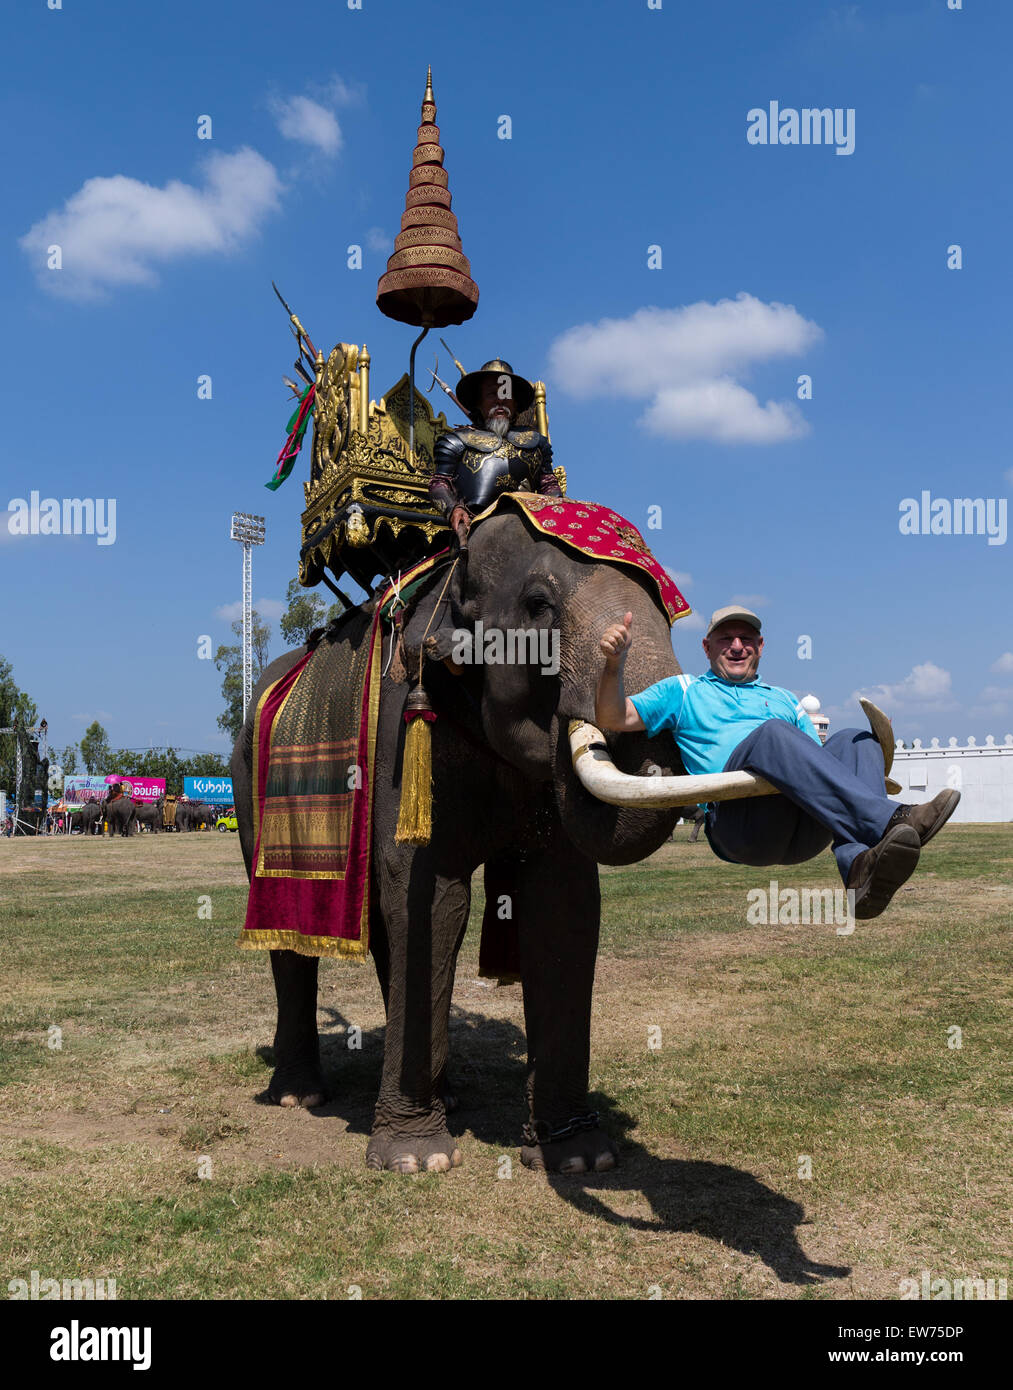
538,604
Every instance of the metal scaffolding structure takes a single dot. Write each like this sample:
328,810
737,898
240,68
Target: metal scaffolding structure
249,530
37,756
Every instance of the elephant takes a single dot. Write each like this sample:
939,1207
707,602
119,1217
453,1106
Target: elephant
149,813
119,811
505,795
88,819
185,815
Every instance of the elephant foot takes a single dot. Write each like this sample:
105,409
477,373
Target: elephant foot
291,1091
399,1153
591,1151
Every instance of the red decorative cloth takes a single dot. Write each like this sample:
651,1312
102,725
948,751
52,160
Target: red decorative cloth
312,799
597,531
314,739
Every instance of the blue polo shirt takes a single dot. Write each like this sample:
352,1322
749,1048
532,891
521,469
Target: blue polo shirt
710,716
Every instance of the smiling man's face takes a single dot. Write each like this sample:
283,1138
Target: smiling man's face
733,650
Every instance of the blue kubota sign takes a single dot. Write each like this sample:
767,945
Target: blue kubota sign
217,791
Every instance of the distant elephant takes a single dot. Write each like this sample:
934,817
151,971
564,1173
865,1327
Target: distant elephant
119,811
149,813
505,795
88,819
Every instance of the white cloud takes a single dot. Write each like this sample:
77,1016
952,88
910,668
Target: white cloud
692,622
928,684
114,231
98,714
685,362
1008,475
268,608
722,411
377,239
753,601
1004,663
679,578
301,118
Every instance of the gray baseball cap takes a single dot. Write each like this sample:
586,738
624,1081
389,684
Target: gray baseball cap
725,615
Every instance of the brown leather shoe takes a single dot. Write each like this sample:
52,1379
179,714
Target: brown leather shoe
929,817
878,872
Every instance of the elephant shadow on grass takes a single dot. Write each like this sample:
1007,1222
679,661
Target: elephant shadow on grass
724,1204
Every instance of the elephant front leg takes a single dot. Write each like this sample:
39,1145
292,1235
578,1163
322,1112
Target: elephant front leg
297,1079
558,910
424,916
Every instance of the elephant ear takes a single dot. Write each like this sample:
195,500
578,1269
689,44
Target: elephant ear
434,615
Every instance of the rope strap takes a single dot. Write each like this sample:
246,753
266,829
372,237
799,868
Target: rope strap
538,1132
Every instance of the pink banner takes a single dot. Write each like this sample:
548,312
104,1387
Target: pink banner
142,789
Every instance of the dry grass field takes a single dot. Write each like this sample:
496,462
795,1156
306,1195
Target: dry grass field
776,1043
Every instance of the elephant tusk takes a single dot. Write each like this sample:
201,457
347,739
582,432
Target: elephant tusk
600,776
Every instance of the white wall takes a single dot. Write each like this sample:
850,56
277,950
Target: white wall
982,773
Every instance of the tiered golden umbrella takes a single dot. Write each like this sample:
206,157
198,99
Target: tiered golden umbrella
428,278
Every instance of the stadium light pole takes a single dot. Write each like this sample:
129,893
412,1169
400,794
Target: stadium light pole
248,529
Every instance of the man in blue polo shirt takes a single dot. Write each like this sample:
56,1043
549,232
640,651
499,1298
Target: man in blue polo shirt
832,794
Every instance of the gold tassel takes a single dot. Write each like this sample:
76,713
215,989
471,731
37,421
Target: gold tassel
415,814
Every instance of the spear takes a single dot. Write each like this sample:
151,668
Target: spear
436,381
300,332
457,364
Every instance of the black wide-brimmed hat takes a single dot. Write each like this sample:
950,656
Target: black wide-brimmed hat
469,388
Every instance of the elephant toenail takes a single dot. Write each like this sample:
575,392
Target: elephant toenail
573,1165
456,1159
405,1163
289,1101
604,1162
437,1163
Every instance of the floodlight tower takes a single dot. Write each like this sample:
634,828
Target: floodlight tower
248,530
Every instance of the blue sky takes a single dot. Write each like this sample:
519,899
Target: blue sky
629,130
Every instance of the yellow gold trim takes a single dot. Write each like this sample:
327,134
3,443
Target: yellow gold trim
374,713
256,750
303,945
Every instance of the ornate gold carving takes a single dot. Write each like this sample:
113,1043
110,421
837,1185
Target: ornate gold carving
331,411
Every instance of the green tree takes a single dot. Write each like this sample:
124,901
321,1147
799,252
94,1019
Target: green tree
95,750
305,612
15,704
229,659
68,759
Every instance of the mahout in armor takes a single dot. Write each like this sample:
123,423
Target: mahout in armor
478,461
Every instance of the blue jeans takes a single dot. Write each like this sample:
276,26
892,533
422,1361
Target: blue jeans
831,795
